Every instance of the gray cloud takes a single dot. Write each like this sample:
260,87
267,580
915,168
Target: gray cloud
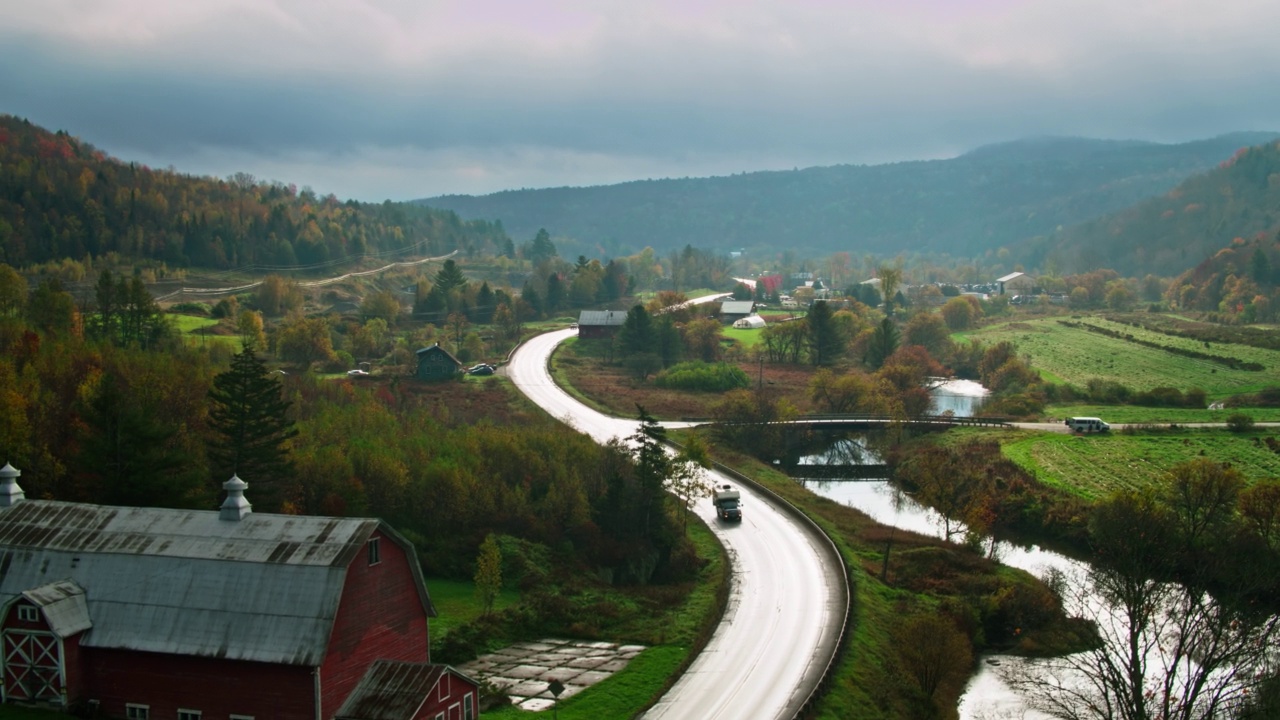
404,99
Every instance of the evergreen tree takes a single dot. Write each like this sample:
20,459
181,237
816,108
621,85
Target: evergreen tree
542,249
555,293
485,304
1260,267
884,342
108,299
637,333
653,467
825,340
450,277
670,345
532,299
127,455
251,420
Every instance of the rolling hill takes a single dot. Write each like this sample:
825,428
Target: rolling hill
991,197
1165,235
62,198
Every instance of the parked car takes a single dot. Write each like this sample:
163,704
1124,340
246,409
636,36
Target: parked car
481,369
357,373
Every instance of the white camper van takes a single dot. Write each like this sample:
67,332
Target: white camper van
1087,424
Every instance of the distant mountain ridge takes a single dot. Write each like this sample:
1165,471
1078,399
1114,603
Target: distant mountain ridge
991,197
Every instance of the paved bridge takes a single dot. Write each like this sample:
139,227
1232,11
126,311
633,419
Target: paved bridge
879,422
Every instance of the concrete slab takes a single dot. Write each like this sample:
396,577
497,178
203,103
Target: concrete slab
563,674
525,672
591,677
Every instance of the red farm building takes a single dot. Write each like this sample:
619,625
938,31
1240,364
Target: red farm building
152,613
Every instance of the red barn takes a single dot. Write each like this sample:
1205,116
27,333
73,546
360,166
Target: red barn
148,613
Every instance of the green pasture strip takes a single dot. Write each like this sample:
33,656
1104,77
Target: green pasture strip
747,338
1157,415
1075,355
455,602
191,323
1093,466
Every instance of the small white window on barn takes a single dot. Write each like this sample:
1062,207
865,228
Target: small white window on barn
239,717
28,613
137,712
468,713
188,714
375,552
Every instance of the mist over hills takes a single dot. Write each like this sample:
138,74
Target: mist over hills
994,196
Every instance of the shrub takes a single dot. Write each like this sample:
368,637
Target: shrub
705,377
1239,422
191,308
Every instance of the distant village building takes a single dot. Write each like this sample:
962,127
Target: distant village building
142,613
1016,284
600,323
436,363
733,310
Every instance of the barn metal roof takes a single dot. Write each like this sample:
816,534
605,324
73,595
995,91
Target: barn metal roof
64,607
602,317
737,307
265,588
393,690
1010,277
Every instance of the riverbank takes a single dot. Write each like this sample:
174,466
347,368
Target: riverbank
901,576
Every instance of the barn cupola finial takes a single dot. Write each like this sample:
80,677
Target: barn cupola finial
235,507
10,493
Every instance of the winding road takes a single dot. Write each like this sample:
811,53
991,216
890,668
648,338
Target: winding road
786,606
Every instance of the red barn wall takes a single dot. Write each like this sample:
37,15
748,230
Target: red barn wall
215,687
449,692
380,618
72,656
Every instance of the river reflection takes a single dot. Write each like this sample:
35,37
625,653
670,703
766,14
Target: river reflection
986,696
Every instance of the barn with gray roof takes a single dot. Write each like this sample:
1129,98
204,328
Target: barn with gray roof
161,613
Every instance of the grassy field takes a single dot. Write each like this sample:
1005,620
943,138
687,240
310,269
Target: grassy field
1074,355
1137,414
1094,465
747,338
456,603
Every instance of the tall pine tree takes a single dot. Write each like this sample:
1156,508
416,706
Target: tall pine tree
251,419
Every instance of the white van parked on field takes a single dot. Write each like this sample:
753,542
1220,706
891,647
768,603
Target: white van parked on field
1087,424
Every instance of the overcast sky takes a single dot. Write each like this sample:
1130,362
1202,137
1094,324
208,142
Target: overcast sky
404,99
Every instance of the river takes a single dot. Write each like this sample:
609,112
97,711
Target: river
987,696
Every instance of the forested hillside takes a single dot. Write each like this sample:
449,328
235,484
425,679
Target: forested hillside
1168,234
1241,282
62,198
988,198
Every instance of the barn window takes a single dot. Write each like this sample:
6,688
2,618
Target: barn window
188,714
375,555
468,712
240,717
28,613
137,712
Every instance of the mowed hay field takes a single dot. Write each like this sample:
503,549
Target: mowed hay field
1093,466
1075,355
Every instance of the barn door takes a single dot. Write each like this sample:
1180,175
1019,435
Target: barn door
31,666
